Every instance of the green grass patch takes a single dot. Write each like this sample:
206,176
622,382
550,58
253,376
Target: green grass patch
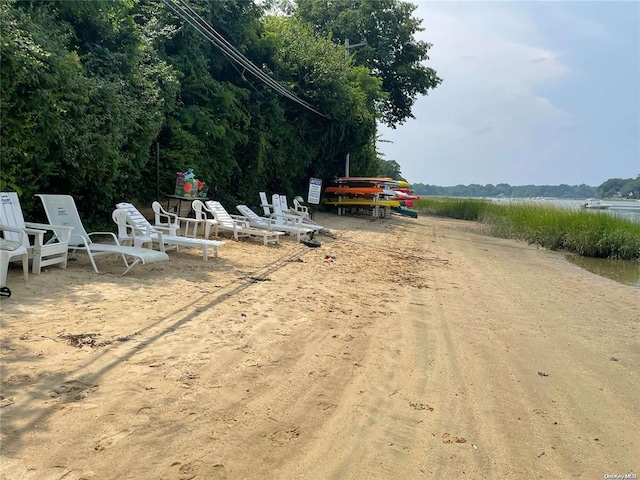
587,233
459,208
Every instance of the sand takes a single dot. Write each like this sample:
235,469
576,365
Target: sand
401,349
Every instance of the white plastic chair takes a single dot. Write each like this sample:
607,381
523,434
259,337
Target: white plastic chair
201,215
143,229
61,211
301,209
239,226
283,218
264,203
172,223
127,234
10,249
257,221
52,252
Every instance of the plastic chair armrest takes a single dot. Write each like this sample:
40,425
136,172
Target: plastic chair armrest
21,231
62,233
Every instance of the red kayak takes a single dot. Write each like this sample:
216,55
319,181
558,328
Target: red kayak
400,195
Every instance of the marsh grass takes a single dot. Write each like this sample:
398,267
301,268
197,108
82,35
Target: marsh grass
459,208
587,233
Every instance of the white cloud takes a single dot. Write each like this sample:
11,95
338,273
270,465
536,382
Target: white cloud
485,117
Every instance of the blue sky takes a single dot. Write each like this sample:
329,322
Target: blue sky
541,92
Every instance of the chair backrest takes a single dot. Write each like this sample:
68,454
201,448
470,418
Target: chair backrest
119,216
219,213
160,212
199,210
11,216
301,209
135,218
276,203
284,204
61,210
253,216
264,203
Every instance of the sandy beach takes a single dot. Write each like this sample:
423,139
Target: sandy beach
401,349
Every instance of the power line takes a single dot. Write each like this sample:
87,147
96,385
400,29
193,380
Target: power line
197,22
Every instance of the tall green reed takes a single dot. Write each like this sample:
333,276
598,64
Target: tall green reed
587,233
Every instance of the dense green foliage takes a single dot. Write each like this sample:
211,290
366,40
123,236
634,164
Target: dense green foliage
83,95
587,233
87,89
620,188
391,52
612,188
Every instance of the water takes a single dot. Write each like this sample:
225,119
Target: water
623,271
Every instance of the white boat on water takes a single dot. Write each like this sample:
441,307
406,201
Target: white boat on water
594,204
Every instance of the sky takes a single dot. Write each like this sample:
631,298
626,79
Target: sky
535,92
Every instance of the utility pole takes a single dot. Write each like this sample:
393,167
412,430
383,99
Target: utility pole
347,48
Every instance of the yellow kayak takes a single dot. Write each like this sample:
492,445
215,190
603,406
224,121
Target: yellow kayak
357,202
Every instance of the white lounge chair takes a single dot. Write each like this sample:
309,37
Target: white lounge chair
61,211
299,210
283,218
269,210
284,205
239,226
172,223
257,221
10,249
264,203
52,252
142,231
282,211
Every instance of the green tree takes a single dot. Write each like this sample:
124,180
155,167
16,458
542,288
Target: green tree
82,104
390,168
392,53
314,68
631,189
611,188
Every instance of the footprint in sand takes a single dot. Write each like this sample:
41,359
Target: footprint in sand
446,438
199,469
279,437
18,380
73,391
110,440
142,417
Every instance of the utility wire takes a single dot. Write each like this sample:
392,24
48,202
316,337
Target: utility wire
199,24
230,51
234,55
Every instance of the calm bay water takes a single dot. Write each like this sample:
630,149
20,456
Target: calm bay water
623,271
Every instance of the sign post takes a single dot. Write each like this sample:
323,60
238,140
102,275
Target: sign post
315,189
347,49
